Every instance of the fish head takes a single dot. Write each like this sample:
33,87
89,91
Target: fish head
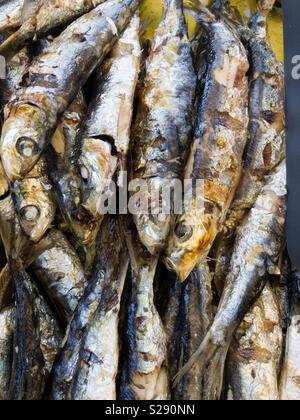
4,183
78,220
23,140
35,206
189,243
153,231
97,166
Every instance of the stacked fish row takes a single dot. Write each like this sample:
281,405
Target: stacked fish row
201,305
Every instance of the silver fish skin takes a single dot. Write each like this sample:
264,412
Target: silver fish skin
217,151
196,315
254,357
290,374
107,266
39,18
258,245
145,376
104,137
53,80
60,273
99,356
10,14
266,144
7,326
52,333
164,124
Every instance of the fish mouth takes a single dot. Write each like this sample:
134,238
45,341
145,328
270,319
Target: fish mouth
153,232
179,267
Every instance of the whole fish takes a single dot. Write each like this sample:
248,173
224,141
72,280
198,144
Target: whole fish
104,137
145,375
7,325
266,145
97,369
107,266
290,374
196,317
35,202
254,357
64,176
163,127
53,80
217,151
60,273
257,247
27,379
40,20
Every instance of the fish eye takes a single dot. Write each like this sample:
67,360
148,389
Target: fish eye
183,232
27,147
30,213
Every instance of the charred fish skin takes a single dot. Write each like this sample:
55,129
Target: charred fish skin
106,265
35,202
7,326
6,288
257,246
60,273
27,379
197,312
97,369
146,375
290,374
217,151
163,128
104,137
254,357
53,80
43,19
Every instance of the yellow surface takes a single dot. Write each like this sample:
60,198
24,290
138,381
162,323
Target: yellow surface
152,9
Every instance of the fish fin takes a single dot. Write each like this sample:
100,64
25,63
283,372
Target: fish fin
210,359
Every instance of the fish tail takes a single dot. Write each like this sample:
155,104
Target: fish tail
259,21
210,360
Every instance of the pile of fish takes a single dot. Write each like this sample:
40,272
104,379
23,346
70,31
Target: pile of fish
200,305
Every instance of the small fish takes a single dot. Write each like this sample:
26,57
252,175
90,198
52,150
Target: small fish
164,124
7,326
266,145
60,273
35,202
217,151
290,374
28,374
196,317
258,245
104,137
39,18
254,357
97,368
52,82
107,264
145,375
